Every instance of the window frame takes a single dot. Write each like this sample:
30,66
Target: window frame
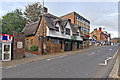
67,31
31,41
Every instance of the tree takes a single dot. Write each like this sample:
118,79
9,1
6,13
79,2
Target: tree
13,21
33,11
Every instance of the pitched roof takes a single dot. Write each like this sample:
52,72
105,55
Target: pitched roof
30,29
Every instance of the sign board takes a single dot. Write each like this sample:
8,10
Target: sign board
68,42
73,37
44,46
90,39
90,43
6,38
19,45
95,40
75,43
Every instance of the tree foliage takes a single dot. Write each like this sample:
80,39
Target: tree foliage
33,11
13,21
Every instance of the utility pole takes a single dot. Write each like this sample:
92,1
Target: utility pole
43,30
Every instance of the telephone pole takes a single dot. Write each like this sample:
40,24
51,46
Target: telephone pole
43,30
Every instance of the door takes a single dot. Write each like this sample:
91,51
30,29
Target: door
77,45
68,46
61,43
6,51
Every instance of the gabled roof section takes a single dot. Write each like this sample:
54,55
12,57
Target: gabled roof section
74,28
30,29
51,20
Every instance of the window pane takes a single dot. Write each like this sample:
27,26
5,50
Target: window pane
6,48
57,29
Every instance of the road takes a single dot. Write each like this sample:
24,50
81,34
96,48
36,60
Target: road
93,63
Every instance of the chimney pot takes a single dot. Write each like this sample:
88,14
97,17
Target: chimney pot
45,10
95,29
100,29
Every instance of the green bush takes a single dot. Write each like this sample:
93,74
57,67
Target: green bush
26,47
34,48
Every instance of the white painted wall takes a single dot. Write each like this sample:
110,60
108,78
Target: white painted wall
54,33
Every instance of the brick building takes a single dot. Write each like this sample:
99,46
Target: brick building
115,40
59,34
84,25
99,37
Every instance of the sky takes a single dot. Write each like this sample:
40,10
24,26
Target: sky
100,14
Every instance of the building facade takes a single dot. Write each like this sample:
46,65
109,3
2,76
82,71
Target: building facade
99,37
84,25
59,34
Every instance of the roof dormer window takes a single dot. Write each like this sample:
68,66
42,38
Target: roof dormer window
57,29
67,31
77,32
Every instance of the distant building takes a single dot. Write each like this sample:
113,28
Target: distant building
84,25
115,41
99,37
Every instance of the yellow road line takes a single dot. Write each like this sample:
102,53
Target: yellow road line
116,53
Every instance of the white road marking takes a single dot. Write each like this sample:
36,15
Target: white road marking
91,54
103,64
51,68
98,51
56,57
48,59
110,49
66,70
61,56
10,67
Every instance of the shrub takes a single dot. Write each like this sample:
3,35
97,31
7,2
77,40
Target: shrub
34,48
26,47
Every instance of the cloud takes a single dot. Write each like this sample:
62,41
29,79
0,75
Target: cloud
99,13
6,7
60,0
113,14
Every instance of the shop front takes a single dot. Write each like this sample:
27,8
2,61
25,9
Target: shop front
67,45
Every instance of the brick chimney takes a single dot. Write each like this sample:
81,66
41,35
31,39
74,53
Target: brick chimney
100,29
26,22
45,10
95,29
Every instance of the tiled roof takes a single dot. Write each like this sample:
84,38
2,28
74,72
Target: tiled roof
30,29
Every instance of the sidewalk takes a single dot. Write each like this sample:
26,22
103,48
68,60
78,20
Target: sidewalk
17,62
114,72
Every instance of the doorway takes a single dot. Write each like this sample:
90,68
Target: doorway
6,51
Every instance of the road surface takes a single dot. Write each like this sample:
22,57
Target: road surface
93,63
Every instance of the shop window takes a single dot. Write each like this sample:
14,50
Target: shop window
55,41
31,41
6,48
27,41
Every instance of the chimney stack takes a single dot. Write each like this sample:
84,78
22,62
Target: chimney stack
95,29
100,29
45,10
